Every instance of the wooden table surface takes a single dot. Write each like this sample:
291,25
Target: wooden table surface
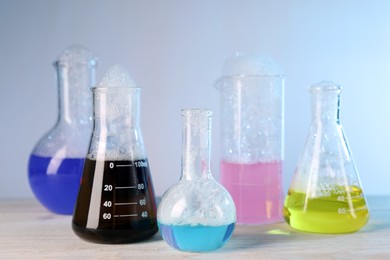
29,231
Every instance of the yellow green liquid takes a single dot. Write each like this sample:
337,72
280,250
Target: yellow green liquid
339,210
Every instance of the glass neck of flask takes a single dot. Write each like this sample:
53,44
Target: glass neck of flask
116,108
196,144
74,96
325,104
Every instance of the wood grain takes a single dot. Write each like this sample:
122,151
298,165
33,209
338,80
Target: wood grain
29,231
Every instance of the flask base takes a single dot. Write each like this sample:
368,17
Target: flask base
256,190
104,236
196,238
343,210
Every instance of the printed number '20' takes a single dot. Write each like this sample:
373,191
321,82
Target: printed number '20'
107,187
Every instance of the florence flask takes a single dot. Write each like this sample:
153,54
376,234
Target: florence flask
56,162
196,214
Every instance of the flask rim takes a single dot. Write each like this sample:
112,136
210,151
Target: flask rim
196,112
118,88
324,86
91,63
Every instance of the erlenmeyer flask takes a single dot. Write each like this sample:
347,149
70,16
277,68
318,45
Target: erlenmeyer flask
116,202
197,213
326,195
56,163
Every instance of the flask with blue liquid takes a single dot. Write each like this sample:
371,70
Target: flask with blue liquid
56,162
196,214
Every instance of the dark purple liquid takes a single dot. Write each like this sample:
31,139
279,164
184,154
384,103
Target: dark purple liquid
124,209
55,181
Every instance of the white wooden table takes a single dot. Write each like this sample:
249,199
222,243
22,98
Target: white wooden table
29,231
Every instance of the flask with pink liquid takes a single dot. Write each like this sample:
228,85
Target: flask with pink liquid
252,125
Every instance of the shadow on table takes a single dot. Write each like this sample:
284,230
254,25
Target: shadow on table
272,236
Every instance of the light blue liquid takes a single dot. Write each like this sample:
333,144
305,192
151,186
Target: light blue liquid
197,238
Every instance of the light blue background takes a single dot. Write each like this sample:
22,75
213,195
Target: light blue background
175,49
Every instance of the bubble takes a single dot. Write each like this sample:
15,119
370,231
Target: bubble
117,104
75,68
76,54
250,64
117,76
251,90
196,202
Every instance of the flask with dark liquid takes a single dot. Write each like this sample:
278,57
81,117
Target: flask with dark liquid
116,202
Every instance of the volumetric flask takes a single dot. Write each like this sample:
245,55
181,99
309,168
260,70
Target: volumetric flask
197,213
252,123
116,202
56,163
325,195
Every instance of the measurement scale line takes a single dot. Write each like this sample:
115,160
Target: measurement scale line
348,210
124,165
128,215
125,203
126,187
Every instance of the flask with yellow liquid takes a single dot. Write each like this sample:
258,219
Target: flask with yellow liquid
326,195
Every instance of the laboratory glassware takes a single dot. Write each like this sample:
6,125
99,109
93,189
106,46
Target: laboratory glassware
326,195
56,162
116,202
252,131
197,213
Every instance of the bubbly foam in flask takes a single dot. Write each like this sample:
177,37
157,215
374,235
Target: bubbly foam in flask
196,214
116,202
252,124
56,162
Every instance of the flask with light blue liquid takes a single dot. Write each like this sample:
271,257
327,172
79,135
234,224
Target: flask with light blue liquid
196,214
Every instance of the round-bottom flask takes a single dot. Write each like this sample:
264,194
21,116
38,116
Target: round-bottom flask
196,214
55,165
325,195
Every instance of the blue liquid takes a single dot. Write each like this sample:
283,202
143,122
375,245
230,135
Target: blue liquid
56,181
197,238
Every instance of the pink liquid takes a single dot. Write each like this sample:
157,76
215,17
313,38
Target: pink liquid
256,189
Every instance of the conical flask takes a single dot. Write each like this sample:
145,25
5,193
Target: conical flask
116,202
197,213
326,195
56,162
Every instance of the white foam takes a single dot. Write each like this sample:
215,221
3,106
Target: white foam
117,99
250,64
117,76
71,140
64,142
126,152
76,54
197,202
